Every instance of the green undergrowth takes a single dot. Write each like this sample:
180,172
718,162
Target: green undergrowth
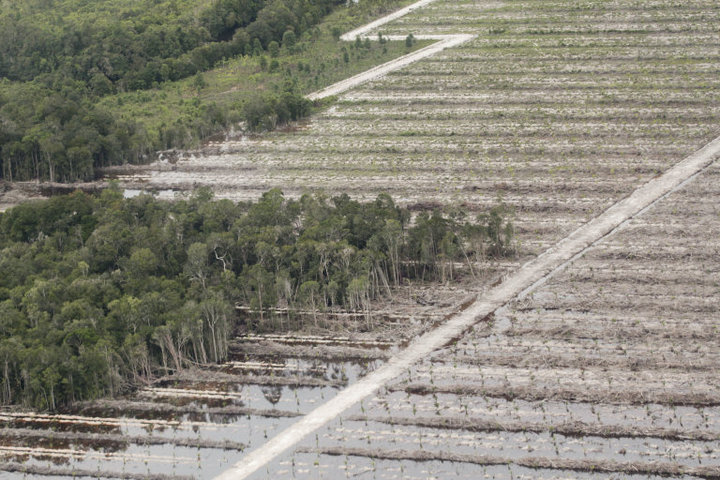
313,65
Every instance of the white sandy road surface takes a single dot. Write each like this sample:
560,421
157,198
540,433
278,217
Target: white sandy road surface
442,42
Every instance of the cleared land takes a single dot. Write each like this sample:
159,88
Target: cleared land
562,114
608,369
448,438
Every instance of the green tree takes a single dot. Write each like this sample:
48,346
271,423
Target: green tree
289,39
199,81
197,266
260,291
142,262
409,41
274,49
308,296
215,311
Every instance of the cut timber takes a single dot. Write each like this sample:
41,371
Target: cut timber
607,466
569,429
36,471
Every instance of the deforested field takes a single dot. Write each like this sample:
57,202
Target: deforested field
560,108
609,370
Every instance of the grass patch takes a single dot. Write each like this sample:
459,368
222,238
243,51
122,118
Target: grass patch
318,60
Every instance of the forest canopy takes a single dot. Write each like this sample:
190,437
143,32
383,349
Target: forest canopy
66,69
111,45
102,293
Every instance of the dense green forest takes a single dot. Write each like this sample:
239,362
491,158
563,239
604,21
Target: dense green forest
100,293
68,68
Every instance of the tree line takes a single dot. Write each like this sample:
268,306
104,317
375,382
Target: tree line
101,293
122,45
64,136
58,60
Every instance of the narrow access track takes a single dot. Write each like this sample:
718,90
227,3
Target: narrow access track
442,42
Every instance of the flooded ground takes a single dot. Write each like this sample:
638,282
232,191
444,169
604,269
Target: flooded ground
192,425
